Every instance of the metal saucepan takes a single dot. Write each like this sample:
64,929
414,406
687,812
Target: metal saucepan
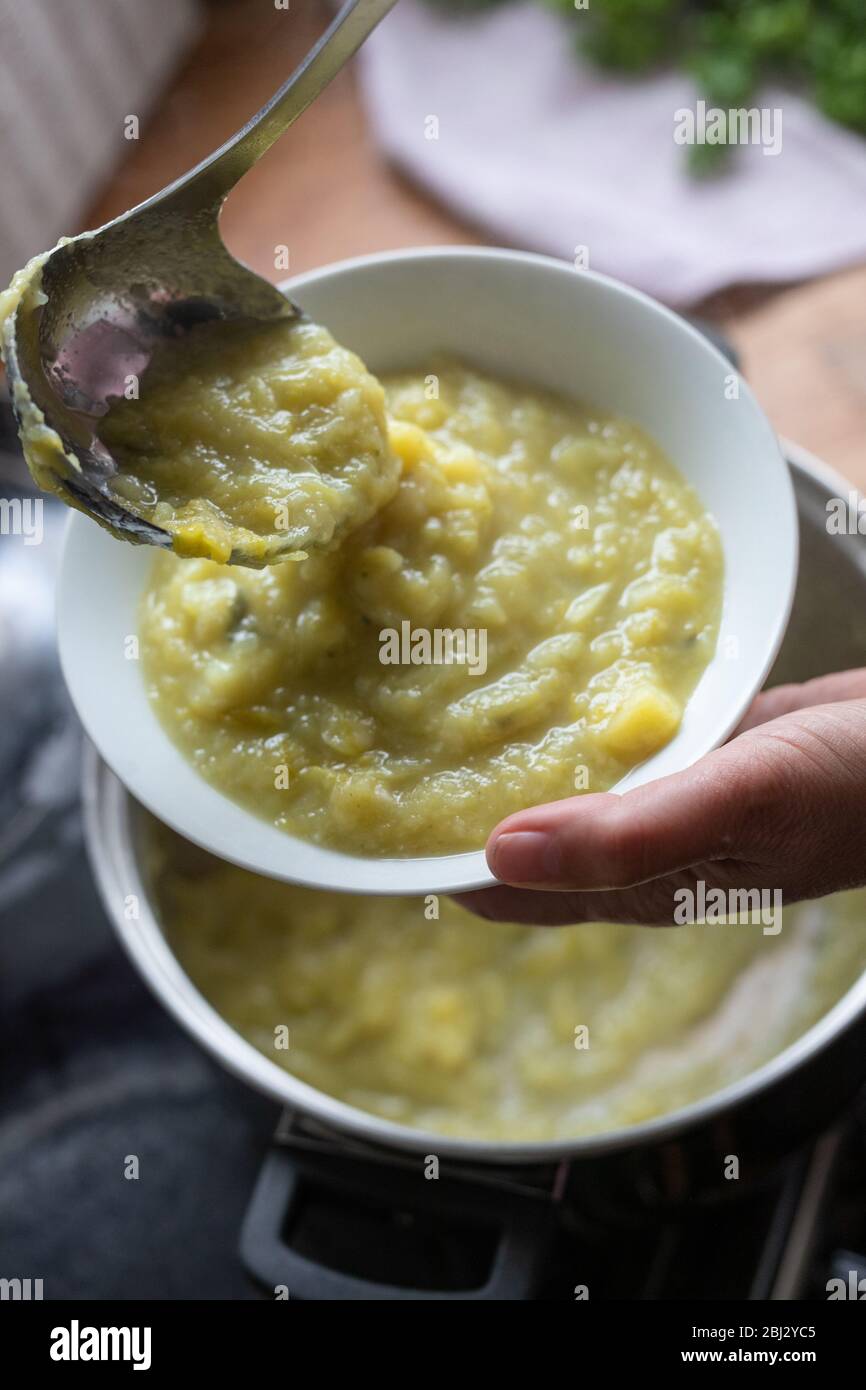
761,1118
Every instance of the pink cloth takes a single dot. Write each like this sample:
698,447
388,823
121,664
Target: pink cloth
549,154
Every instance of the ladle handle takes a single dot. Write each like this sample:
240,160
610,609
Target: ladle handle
208,184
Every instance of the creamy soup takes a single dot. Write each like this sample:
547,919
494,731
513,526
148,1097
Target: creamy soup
250,442
526,618
491,1031
243,442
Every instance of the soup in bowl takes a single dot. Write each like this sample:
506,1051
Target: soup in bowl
579,583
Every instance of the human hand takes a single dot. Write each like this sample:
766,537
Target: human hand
782,806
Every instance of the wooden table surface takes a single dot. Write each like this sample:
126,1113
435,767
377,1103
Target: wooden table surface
325,192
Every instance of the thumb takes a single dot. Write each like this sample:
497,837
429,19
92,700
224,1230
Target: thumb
604,841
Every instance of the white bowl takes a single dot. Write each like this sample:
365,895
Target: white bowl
536,320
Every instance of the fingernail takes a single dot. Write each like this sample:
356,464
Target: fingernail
525,856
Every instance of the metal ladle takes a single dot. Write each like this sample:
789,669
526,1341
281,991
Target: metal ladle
156,271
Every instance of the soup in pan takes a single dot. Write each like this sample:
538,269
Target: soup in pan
415,1011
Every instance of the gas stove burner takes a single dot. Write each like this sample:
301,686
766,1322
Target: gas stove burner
333,1219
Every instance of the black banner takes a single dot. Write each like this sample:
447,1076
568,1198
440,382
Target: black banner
237,1338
